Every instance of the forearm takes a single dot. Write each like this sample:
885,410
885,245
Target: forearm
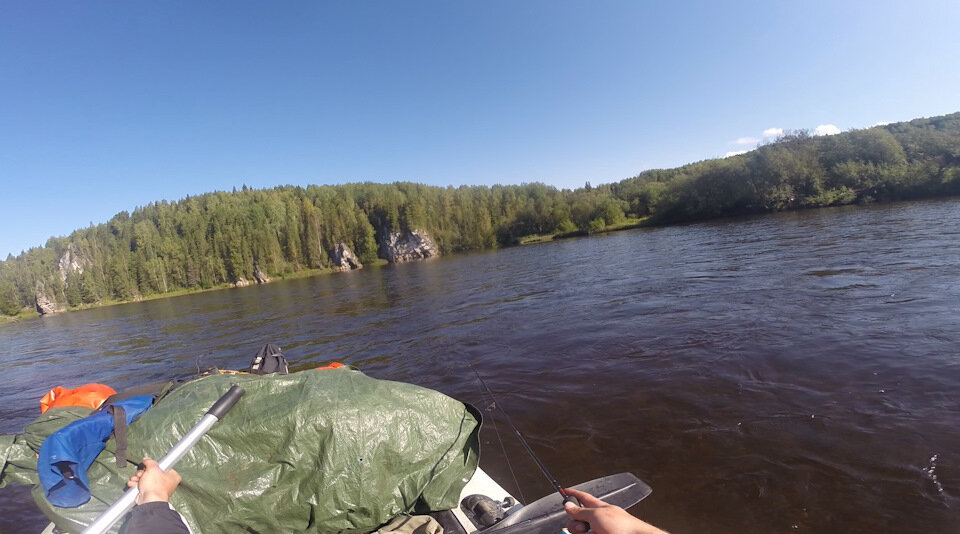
154,518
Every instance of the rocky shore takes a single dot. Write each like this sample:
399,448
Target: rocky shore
395,247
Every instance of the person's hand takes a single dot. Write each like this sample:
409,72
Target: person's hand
155,484
603,518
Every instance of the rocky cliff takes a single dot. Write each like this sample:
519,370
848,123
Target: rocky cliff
72,260
344,259
259,276
46,304
398,247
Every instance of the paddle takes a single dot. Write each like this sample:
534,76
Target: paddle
546,514
126,502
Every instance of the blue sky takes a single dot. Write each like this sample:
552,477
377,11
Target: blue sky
105,106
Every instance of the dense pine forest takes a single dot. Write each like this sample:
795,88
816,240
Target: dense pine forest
223,238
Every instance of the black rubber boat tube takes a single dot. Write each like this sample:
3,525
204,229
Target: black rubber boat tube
126,502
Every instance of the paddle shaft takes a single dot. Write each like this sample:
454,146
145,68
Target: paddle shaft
129,498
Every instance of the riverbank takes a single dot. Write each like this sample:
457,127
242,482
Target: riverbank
25,313
28,313
629,224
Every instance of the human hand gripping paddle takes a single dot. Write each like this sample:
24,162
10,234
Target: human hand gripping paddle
595,515
153,483
132,495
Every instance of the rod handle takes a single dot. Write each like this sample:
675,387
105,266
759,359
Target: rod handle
570,498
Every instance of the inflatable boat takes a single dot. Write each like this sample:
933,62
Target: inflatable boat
319,450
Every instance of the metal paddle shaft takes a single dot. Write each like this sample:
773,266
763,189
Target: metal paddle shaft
129,498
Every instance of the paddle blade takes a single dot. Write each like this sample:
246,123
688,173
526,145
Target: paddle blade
547,515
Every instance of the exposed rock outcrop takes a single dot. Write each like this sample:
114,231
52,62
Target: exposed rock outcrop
72,260
344,259
46,305
414,245
259,276
241,282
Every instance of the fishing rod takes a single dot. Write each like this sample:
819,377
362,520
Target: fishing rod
563,493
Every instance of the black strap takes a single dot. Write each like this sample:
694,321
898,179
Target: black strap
157,389
120,432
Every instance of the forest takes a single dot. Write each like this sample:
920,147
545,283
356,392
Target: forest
216,239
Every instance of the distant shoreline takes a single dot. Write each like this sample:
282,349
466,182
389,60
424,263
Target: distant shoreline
33,314
534,239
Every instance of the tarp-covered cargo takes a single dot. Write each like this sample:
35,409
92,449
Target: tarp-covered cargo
314,451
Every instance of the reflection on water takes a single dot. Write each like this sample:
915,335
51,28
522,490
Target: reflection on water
789,373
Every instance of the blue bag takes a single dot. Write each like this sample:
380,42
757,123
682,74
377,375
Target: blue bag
66,455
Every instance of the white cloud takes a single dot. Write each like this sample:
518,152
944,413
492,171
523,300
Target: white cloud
772,132
735,153
826,129
746,141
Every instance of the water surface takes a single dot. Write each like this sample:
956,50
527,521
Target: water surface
787,373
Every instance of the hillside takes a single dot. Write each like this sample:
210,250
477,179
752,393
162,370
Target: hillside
233,238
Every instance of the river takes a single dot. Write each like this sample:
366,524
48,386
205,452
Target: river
796,372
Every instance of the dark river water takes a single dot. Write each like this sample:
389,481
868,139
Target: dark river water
798,372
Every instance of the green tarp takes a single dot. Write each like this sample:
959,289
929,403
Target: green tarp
314,451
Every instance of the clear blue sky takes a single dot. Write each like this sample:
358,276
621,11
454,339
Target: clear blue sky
105,106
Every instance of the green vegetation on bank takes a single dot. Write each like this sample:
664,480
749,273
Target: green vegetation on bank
217,239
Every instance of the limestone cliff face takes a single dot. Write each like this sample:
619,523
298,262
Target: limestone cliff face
45,304
72,260
344,259
411,246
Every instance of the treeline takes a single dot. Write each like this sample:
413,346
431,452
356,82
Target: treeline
898,161
220,238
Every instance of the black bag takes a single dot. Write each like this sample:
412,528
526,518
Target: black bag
269,360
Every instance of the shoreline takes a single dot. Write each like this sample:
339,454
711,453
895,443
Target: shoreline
630,224
27,314
532,239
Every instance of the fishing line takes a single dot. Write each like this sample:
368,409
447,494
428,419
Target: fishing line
503,449
533,455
